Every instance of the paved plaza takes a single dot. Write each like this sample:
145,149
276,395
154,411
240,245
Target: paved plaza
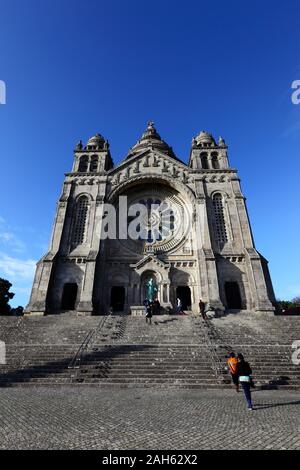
146,418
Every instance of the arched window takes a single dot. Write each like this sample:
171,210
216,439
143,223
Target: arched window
80,218
215,161
204,161
83,164
94,164
220,218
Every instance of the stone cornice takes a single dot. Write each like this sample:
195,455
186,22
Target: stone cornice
77,174
212,171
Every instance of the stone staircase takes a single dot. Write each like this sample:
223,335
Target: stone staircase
181,351
148,365
36,364
266,343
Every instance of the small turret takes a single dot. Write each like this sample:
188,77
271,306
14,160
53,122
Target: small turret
96,142
204,139
206,154
221,142
94,157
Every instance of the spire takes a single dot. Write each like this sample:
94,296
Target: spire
151,139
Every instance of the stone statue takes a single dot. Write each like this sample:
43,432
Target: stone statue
151,289
79,146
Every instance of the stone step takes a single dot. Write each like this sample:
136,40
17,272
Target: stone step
148,358
120,384
118,360
147,367
282,375
124,380
175,373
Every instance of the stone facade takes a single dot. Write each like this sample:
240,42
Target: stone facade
213,257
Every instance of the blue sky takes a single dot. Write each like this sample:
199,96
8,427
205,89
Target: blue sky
76,68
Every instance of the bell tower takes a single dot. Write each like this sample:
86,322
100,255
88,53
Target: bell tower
206,154
94,157
64,276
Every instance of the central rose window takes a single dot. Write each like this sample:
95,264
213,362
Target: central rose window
158,220
157,223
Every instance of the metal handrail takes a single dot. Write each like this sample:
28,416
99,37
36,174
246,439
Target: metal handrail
218,336
217,363
77,358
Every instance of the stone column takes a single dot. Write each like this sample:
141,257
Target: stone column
168,293
161,292
192,294
85,304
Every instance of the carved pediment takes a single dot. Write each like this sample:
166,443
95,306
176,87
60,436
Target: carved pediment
149,162
150,261
152,158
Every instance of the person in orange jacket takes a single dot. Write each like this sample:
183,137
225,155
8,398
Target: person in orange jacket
232,366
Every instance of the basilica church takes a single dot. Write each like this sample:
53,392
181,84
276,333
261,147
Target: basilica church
105,252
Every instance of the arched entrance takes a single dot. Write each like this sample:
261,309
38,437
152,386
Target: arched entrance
233,295
69,296
117,298
184,294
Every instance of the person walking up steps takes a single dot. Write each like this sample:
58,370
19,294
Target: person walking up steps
202,309
244,374
232,366
149,308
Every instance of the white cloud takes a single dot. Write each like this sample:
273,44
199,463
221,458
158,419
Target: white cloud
15,266
6,236
16,269
9,239
22,290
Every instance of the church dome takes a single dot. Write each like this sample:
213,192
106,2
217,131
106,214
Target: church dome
96,141
151,138
205,138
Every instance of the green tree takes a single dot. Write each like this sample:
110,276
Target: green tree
296,301
19,311
284,304
5,297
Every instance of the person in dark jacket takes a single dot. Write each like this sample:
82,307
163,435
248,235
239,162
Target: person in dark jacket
156,307
149,312
244,372
202,309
